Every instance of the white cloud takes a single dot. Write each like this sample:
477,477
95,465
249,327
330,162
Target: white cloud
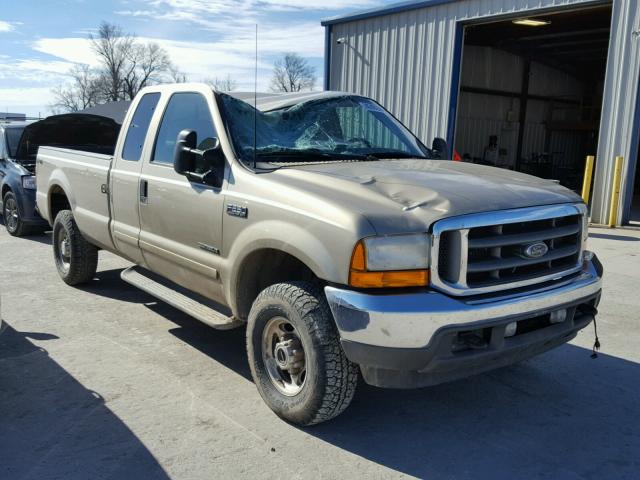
44,66
228,16
7,26
76,50
233,55
29,100
316,6
228,23
33,71
225,7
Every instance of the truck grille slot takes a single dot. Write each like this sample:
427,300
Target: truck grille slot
477,257
498,258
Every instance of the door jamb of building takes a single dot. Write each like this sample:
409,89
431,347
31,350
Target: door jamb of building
632,164
455,85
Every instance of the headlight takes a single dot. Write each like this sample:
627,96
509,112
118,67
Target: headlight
29,182
391,261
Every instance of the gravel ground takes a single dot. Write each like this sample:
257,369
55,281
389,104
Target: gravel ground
105,382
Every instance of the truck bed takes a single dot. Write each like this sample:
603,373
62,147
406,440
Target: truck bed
83,177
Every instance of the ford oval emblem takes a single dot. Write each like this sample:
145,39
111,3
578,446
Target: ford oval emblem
535,250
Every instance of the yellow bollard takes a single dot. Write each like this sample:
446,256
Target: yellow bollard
615,193
588,175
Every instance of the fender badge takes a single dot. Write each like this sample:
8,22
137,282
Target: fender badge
237,211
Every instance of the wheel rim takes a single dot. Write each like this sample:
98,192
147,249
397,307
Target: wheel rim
11,215
64,249
284,356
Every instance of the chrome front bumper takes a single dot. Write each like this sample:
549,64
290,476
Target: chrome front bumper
411,320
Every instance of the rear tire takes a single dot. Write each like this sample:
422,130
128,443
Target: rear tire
11,215
76,259
303,388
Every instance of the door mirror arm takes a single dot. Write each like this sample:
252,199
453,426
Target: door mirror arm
207,178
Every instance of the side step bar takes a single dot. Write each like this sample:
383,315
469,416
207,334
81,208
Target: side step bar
190,303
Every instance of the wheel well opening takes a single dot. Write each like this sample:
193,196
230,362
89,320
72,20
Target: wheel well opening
263,268
5,189
57,201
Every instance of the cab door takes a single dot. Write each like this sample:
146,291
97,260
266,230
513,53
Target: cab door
181,220
125,178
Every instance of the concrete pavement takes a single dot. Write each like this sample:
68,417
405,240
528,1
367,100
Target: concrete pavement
106,382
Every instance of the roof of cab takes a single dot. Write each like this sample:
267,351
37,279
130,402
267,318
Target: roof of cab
275,101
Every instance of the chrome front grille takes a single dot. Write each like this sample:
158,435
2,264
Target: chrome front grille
487,252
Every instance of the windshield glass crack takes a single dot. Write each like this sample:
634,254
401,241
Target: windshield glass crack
335,128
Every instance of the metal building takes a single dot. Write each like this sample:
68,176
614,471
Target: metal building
533,85
19,117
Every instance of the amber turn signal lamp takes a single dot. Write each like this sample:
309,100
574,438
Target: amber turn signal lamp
359,277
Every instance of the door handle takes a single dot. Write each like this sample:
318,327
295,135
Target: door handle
144,191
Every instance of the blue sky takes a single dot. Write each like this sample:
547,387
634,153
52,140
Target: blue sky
40,40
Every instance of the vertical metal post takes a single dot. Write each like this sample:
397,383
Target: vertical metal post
524,97
615,193
588,175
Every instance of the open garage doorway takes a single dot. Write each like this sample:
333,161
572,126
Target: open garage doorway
530,94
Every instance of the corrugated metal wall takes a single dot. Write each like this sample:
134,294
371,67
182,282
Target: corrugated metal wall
619,125
480,115
405,61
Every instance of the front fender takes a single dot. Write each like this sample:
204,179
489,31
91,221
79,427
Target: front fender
25,198
327,256
9,182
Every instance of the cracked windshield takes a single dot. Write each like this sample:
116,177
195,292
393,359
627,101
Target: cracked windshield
337,128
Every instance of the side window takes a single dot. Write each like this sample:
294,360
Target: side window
185,111
139,126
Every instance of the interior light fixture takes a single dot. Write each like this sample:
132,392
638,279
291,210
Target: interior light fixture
531,22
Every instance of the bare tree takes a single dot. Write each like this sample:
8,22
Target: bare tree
84,91
126,66
225,84
114,49
292,73
176,75
146,65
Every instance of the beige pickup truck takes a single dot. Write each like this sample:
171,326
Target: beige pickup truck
323,226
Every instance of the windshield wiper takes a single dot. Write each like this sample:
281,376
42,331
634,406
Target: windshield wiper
395,154
313,154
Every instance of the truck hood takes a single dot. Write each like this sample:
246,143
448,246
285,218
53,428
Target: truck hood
403,195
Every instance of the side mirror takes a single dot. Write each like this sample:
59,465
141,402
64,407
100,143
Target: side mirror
439,148
183,157
186,153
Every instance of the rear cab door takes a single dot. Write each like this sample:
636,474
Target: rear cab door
125,175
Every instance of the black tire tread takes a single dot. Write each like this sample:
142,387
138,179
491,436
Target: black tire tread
341,374
23,229
84,255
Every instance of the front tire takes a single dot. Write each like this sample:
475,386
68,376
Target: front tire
76,259
11,214
296,359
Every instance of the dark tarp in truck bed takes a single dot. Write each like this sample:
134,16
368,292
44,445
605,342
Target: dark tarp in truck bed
94,130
